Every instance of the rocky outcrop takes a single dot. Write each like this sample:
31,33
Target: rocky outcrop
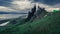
33,14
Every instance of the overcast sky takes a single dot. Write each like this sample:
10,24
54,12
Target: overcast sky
24,5
18,5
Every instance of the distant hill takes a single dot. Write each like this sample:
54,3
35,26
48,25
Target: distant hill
3,21
11,13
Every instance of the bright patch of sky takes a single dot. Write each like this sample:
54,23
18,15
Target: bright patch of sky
18,5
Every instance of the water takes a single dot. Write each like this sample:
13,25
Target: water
10,16
3,24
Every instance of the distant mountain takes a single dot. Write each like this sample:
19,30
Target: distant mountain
11,13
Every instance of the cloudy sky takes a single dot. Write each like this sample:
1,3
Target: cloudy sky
18,5
26,5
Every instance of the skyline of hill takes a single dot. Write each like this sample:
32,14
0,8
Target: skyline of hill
38,22
45,25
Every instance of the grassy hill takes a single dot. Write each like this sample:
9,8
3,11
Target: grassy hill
47,25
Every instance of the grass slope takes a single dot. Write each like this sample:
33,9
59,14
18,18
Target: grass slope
46,25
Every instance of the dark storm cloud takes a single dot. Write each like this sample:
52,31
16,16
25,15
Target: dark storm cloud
49,2
5,2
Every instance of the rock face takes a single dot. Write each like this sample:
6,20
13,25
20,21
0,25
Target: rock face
33,14
40,12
